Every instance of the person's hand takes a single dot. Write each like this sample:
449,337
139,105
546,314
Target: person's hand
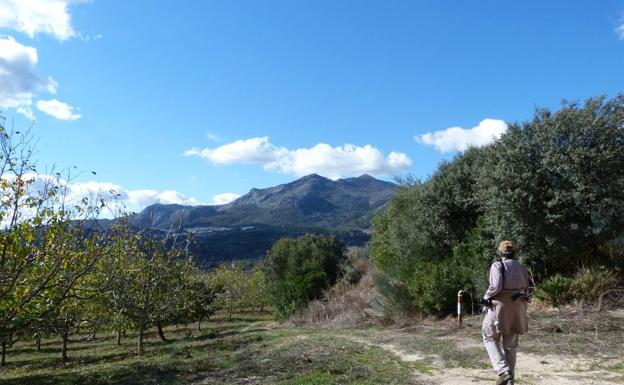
486,303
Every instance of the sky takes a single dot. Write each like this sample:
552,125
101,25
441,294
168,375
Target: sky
197,102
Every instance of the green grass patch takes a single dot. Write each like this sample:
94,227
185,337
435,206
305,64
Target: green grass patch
248,349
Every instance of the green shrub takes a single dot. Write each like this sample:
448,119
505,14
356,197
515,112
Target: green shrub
588,284
591,284
556,290
299,270
393,296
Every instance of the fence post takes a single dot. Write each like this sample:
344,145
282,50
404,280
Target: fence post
459,306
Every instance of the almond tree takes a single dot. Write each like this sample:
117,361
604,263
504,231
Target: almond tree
150,283
42,253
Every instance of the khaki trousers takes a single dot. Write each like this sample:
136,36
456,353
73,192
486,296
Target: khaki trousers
501,348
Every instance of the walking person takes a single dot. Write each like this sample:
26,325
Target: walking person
506,316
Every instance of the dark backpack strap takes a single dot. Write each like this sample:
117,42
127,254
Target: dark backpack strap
502,271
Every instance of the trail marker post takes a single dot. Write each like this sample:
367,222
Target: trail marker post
459,306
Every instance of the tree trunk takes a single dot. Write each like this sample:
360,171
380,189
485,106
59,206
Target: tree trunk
261,307
161,334
38,343
230,312
3,359
140,342
199,324
118,337
92,338
64,349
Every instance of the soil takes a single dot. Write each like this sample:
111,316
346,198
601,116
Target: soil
442,353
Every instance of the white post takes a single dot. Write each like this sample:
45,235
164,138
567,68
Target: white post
459,306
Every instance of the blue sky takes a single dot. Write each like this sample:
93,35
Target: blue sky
172,101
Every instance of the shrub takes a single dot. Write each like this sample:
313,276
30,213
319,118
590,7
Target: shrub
393,296
344,304
355,265
556,290
300,269
592,284
588,284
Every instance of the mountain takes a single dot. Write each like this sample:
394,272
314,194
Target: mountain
246,227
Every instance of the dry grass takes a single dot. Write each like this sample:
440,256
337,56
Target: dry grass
344,305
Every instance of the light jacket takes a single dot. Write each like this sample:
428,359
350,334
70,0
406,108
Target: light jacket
507,316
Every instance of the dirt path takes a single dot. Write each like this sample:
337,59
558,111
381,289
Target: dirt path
532,369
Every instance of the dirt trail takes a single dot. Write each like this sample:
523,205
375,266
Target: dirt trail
532,369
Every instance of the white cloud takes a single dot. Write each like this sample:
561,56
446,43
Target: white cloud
135,199
459,139
247,151
115,196
212,136
323,159
58,109
19,80
38,16
620,30
225,198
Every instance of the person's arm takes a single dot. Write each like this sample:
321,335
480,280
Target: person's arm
496,282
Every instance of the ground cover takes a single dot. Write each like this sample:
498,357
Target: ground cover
563,347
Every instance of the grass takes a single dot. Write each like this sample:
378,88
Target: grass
246,350
252,349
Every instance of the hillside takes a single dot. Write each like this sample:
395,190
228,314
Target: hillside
247,227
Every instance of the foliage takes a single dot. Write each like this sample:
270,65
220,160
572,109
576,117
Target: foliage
420,244
300,269
355,264
556,290
554,185
150,285
231,285
588,284
591,284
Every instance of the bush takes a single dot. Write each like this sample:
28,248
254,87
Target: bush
591,284
344,304
355,265
588,284
556,290
299,270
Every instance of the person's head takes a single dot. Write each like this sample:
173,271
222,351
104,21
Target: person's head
506,250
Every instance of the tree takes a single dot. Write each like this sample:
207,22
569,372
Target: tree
232,286
554,185
41,250
200,297
300,269
414,240
560,178
150,284
83,277
258,288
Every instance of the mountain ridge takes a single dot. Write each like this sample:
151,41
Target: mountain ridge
247,227
312,200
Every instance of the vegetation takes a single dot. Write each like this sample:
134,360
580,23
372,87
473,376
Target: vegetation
61,273
250,349
554,185
300,269
589,284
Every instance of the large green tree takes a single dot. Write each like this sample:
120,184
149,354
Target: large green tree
298,270
554,185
